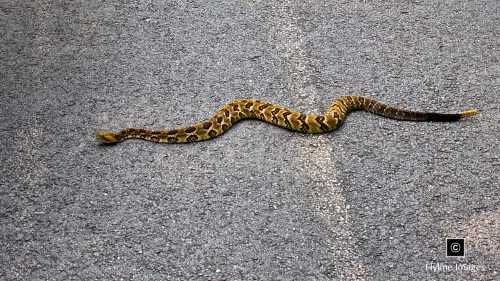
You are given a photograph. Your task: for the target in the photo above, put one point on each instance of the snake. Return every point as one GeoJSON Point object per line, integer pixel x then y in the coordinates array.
{"type": "Point", "coordinates": [282, 117]}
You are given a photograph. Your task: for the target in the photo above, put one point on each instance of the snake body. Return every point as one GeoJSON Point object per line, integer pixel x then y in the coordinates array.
{"type": "Point", "coordinates": [233, 112]}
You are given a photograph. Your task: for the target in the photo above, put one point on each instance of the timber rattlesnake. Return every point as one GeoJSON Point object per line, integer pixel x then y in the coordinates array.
{"type": "Point", "coordinates": [279, 116]}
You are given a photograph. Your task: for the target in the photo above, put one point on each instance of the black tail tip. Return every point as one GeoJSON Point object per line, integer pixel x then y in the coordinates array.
{"type": "Point", "coordinates": [443, 117]}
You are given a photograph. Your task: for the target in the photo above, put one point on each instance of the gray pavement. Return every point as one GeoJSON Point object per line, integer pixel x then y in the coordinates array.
{"type": "Point", "coordinates": [374, 200]}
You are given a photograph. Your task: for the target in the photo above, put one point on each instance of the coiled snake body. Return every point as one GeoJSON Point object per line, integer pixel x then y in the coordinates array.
{"type": "Point", "coordinates": [279, 116]}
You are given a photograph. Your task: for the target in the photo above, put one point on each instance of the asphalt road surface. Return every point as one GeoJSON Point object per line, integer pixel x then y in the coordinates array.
{"type": "Point", "coordinates": [373, 200]}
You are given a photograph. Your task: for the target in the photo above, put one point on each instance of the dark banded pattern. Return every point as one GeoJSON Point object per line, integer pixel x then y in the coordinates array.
{"type": "Point", "coordinates": [279, 116]}
{"type": "Point", "coordinates": [323, 126]}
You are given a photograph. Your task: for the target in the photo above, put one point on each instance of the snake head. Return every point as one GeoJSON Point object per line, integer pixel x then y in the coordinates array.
{"type": "Point", "coordinates": [106, 137]}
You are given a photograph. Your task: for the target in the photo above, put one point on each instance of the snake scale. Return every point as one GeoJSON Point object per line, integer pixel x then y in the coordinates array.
{"type": "Point", "coordinates": [233, 112]}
